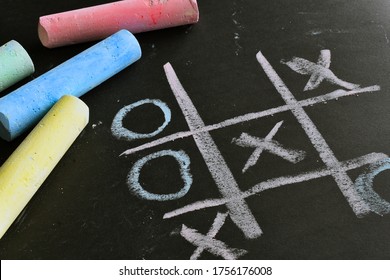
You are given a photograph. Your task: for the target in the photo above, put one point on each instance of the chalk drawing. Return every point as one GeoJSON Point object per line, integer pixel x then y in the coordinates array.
{"type": "Point", "coordinates": [223, 177]}
{"type": "Point", "coordinates": [217, 225]}
{"type": "Point", "coordinates": [318, 72]}
{"type": "Point", "coordinates": [316, 78]}
{"type": "Point", "coordinates": [216, 247]}
{"type": "Point", "coordinates": [334, 95]}
{"type": "Point", "coordinates": [360, 195]}
{"type": "Point", "coordinates": [260, 144]}
{"type": "Point", "coordinates": [364, 186]}
{"type": "Point", "coordinates": [184, 163]}
{"type": "Point", "coordinates": [279, 182]}
{"type": "Point", "coordinates": [121, 132]}
{"type": "Point", "coordinates": [342, 179]}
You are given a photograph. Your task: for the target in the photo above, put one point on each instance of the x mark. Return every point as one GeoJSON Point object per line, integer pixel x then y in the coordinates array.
{"type": "Point", "coordinates": [272, 146]}
{"type": "Point", "coordinates": [317, 71]}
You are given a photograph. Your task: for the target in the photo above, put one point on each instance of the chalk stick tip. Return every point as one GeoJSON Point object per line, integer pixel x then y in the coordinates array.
{"type": "Point", "coordinates": [16, 64]}
{"type": "Point", "coordinates": [43, 34]}
{"type": "Point", "coordinates": [4, 128]}
{"type": "Point", "coordinates": [78, 104]}
{"type": "Point", "coordinates": [167, 66]}
{"type": "Point", "coordinates": [28, 63]}
{"type": "Point", "coordinates": [133, 42]}
{"type": "Point", "coordinates": [194, 5]}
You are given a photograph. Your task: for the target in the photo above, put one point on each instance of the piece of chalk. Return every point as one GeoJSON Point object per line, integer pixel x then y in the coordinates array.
{"type": "Point", "coordinates": [25, 106]}
{"type": "Point", "coordinates": [100, 21]}
{"type": "Point", "coordinates": [15, 64]}
{"type": "Point", "coordinates": [31, 163]}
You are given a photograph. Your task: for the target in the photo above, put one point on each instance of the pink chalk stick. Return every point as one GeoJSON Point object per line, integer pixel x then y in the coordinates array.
{"type": "Point", "coordinates": [101, 21]}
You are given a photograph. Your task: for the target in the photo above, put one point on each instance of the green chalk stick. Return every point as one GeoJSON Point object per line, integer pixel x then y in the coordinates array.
{"type": "Point", "coordinates": [15, 64]}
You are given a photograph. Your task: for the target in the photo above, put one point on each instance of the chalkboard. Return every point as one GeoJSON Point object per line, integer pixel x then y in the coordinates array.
{"type": "Point", "coordinates": [261, 132]}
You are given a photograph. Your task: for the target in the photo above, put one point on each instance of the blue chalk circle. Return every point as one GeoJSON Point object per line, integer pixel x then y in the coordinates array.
{"type": "Point", "coordinates": [25, 106]}
{"type": "Point", "coordinates": [364, 186]}
{"type": "Point", "coordinates": [184, 164]}
{"type": "Point", "coordinates": [121, 132]}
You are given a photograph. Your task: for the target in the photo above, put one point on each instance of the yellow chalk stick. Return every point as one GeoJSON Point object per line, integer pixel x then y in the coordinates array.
{"type": "Point", "coordinates": [31, 163]}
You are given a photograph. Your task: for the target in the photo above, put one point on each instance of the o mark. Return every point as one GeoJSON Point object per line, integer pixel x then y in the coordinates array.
{"type": "Point", "coordinates": [120, 132]}
{"type": "Point", "coordinates": [364, 186]}
{"type": "Point", "coordinates": [184, 163]}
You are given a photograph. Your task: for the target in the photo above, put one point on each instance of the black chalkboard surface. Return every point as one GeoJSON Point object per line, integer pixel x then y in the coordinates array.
{"type": "Point", "coordinates": [276, 147]}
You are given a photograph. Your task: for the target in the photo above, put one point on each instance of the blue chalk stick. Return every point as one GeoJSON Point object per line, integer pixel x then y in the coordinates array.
{"type": "Point", "coordinates": [25, 106]}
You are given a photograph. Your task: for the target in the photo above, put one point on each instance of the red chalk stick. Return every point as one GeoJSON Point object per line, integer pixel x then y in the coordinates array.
{"type": "Point", "coordinates": [101, 21]}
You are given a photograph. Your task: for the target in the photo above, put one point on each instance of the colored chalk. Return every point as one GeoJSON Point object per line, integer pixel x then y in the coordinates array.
{"type": "Point", "coordinates": [15, 64]}
{"type": "Point", "coordinates": [100, 21]}
{"type": "Point", "coordinates": [25, 106]}
{"type": "Point", "coordinates": [31, 163]}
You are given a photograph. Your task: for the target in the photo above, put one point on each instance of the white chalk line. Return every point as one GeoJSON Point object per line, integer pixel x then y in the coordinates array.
{"type": "Point", "coordinates": [334, 95]}
{"type": "Point", "coordinates": [316, 78]}
{"type": "Point", "coordinates": [358, 205]}
{"type": "Point", "coordinates": [280, 182]}
{"type": "Point", "coordinates": [216, 247]}
{"type": "Point", "coordinates": [259, 150]}
{"type": "Point", "coordinates": [219, 221]}
{"type": "Point", "coordinates": [239, 211]}
{"type": "Point", "coordinates": [324, 58]}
